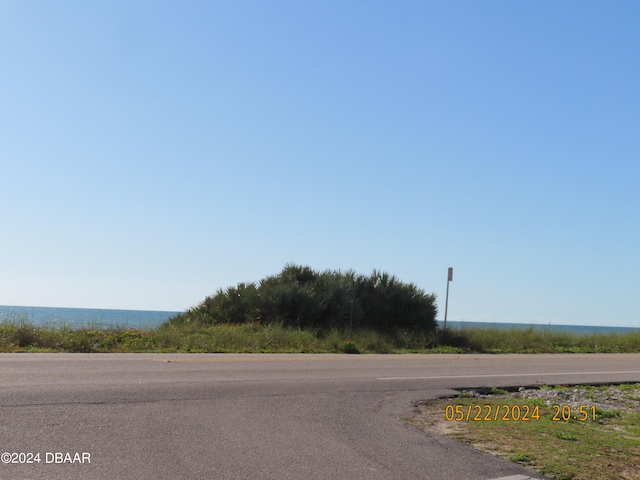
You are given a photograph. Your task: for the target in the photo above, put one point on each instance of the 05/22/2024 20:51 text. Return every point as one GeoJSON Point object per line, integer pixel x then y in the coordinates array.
{"type": "Point", "coordinates": [516, 413]}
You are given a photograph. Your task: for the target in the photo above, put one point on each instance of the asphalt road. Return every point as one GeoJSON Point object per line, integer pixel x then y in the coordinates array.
{"type": "Point", "coordinates": [297, 417]}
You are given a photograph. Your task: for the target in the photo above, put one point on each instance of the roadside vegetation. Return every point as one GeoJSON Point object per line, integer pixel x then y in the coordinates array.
{"type": "Point", "coordinates": [222, 338]}
{"type": "Point", "coordinates": [302, 310]}
{"type": "Point", "coordinates": [534, 340]}
{"type": "Point", "coordinates": [18, 335]}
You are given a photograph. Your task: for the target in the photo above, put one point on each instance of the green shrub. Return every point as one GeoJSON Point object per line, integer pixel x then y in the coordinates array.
{"type": "Point", "coordinates": [300, 297]}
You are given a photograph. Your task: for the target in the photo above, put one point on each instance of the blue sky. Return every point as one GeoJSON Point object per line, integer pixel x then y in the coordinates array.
{"type": "Point", "coordinates": [152, 152]}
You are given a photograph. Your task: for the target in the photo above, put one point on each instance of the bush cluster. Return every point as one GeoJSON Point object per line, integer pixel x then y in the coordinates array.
{"type": "Point", "coordinates": [303, 298]}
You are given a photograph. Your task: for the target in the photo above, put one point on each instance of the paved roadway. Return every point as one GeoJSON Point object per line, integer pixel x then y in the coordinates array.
{"type": "Point", "coordinates": [284, 417]}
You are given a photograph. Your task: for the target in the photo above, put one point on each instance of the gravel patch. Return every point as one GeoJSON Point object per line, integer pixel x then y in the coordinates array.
{"type": "Point", "coordinates": [604, 397]}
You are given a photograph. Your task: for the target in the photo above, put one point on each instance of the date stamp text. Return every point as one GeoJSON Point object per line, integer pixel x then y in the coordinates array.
{"type": "Point", "coordinates": [517, 413]}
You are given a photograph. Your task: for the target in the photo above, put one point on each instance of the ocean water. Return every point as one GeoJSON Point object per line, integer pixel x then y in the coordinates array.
{"type": "Point", "coordinates": [83, 317]}
{"type": "Point", "coordinates": [148, 319]}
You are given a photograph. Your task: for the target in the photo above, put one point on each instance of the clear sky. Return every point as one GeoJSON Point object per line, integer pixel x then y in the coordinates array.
{"type": "Point", "coordinates": [154, 151]}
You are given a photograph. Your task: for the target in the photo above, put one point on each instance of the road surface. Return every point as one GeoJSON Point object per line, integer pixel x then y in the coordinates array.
{"type": "Point", "coordinates": [284, 417]}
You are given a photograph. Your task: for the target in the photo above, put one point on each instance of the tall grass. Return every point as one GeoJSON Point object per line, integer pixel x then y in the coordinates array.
{"type": "Point", "coordinates": [21, 336]}
{"type": "Point", "coordinates": [244, 338]}
{"type": "Point", "coordinates": [531, 340]}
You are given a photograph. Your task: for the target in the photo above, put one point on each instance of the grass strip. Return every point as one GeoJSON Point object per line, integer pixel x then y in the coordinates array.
{"type": "Point", "coordinates": [19, 335]}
